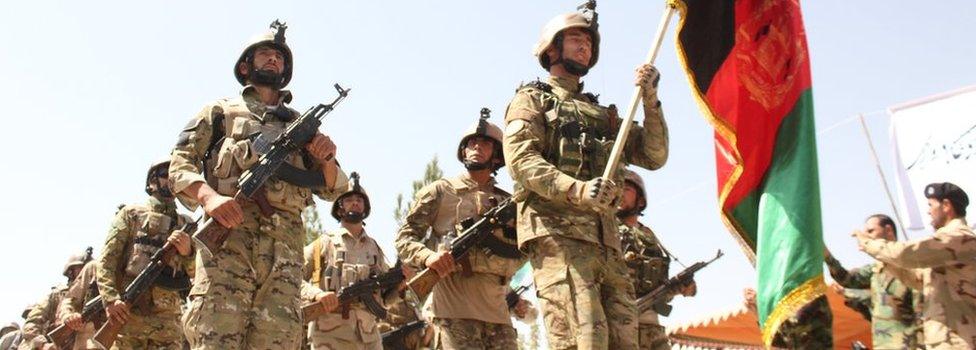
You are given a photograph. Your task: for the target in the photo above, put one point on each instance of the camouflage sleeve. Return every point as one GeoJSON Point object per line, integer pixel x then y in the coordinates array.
{"type": "Point", "coordinates": [941, 249]}
{"type": "Point", "coordinates": [39, 317]}
{"type": "Point", "coordinates": [859, 278]}
{"type": "Point", "coordinates": [647, 146]}
{"type": "Point", "coordinates": [341, 183]}
{"type": "Point", "coordinates": [409, 240]}
{"type": "Point", "coordinates": [186, 166]}
{"type": "Point", "coordinates": [112, 257]}
{"type": "Point", "coordinates": [859, 300]}
{"type": "Point", "coordinates": [309, 290]}
{"type": "Point", "coordinates": [910, 277]}
{"type": "Point", "coordinates": [523, 147]}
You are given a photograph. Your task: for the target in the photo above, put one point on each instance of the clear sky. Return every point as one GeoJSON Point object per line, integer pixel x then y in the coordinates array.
{"type": "Point", "coordinates": [95, 92]}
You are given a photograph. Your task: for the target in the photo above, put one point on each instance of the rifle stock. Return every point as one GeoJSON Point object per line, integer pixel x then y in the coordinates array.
{"type": "Point", "coordinates": [423, 283]}
{"type": "Point", "coordinates": [62, 336]}
{"type": "Point", "coordinates": [108, 333]}
{"type": "Point", "coordinates": [312, 311]}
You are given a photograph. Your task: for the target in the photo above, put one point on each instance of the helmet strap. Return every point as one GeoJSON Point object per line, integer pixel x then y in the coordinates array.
{"type": "Point", "coordinates": [572, 67]}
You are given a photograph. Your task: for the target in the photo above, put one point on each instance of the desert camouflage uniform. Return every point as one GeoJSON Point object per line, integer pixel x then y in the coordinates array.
{"type": "Point", "coordinates": [556, 136]}
{"type": "Point", "coordinates": [137, 232]}
{"type": "Point", "coordinates": [894, 322]}
{"type": "Point", "coordinates": [42, 318]}
{"type": "Point", "coordinates": [400, 313]}
{"type": "Point", "coordinates": [246, 295]}
{"type": "Point", "coordinates": [342, 260]}
{"type": "Point", "coordinates": [810, 328]}
{"type": "Point", "coordinates": [648, 264]}
{"type": "Point", "coordinates": [468, 307]}
{"type": "Point", "coordinates": [943, 268]}
{"type": "Point", "coordinates": [82, 290]}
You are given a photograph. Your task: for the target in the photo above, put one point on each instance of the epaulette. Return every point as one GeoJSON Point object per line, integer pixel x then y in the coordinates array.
{"type": "Point", "coordinates": [594, 99]}
{"type": "Point", "coordinates": [536, 84]}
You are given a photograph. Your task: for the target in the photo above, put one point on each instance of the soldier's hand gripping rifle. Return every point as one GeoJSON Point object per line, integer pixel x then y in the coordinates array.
{"type": "Point", "coordinates": [657, 298]}
{"type": "Point", "coordinates": [362, 291]}
{"type": "Point", "coordinates": [63, 336]}
{"type": "Point", "coordinates": [396, 339]}
{"type": "Point", "coordinates": [251, 183]}
{"type": "Point", "coordinates": [496, 217]}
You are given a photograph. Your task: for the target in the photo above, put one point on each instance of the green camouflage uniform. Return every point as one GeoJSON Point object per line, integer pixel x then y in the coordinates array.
{"type": "Point", "coordinates": [245, 295]}
{"type": "Point", "coordinates": [469, 306]}
{"type": "Point", "coordinates": [894, 323]}
{"type": "Point", "coordinates": [809, 329]}
{"type": "Point", "coordinates": [859, 300]}
{"type": "Point", "coordinates": [42, 318]}
{"type": "Point", "coordinates": [556, 136]}
{"type": "Point", "coordinates": [943, 267]}
{"type": "Point", "coordinates": [648, 264]}
{"type": "Point", "coordinates": [137, 232]}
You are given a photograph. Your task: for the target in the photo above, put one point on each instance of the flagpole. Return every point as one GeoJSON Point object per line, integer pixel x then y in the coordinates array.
{"type": "Point", "coordinates": [618, 146]}
{"type": "Point", "coordinates": [884, 181]}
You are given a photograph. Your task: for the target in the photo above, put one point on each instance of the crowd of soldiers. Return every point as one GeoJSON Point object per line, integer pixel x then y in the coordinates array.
{"type": "Point", "coordinates": [590, 256]}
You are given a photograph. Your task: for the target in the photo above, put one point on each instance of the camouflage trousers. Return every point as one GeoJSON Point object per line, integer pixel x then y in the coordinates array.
{"type": "Point", "coordinates": [652, 336]}
{"type": "Point", "coordinates": [246, 296]}
{"type": "Point", "coordinates": [811, 328]}
{"type": "Point", "coordinates": [585, 294]}
{"type": "Point", "coordinates": [321, 340]}
{"type": "Point", "coordinates": [463, 334]}
{"type": "Point", "coordinates": [156, 331]}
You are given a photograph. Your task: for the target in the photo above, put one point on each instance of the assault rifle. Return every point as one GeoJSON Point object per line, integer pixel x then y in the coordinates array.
{"type": "Point", "coordinates": [396, 339]}
{"type": "Point", "coordinates": [362, 291]}
{"type": "Point", "coordinates": [655, 299]}
{"type": "Point", "coordinates": [475, 233]}
{"type": "Point", "coordinates": [251, 187]}
{"type": "Point", "coordinates": [515, 295]}
{"type": "Point", "coordinates": [63, 336]}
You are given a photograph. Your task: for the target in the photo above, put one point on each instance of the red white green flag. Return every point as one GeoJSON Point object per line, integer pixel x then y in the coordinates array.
{"type": "Point", "coordinates": [748, 64]}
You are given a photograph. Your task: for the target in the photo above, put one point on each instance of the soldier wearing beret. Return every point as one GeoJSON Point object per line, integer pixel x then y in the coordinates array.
{"type": "Point", "coordinates": [942, 266]}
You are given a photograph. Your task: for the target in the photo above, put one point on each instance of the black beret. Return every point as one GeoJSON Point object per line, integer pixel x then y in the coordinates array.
{"type": "Point", "coordinates": [948, 190]}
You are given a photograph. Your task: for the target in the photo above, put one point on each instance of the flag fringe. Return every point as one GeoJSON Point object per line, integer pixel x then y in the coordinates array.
{"type": "Point", "coordinates": [790, 305]}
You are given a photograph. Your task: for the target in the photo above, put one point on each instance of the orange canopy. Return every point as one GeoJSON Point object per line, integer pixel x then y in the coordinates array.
{"type": "Point", "coordinates": [739, 328]}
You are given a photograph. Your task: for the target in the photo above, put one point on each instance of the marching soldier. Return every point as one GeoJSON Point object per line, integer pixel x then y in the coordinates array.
{"type": "Point", "coordinates": [894, 322]}
{"type": "Point", "coordinates": [43, 316]}
{"type": "Point", "coordinates": [557, 143]}
{"type": "Point", "coordinates": [469, 308]}
{"type": "Point", "coordinates": [646, 258]}
{"type": "Point", "coordinates": [83, 289]}
{"type": "Point", "coordinates": [137, 232]}
{"type": "Point", "coordinates": [942, 266]}
{"type": "Point", "coordinates": [246, 294]}
{"type": "Point", "coordinates": [338, 259]}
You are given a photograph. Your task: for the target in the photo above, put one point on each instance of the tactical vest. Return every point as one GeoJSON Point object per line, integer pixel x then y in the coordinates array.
{"type": "Point", "coordinates": [240, 138]}
{"type": "Point", "coordinates": [346, 267]}
{"type": "Point", "coordinates": [579, 133]}
{"type": "Point", "coordinates": [647, 261]}
{"type": "Point", "coordinates": [151, 233]}
{"type": "Point", "coordinates": [463, 202]}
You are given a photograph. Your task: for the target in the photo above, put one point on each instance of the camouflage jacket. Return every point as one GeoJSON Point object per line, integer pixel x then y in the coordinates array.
{"type": "Point", "coordinates": [531, 145]}
{"type": "Point", "coordinates": [136, 233]}
{"type": "Point", "coordinates": [439, 208]}
{"type": "Point", "coordinates": [42, 318]}
{"type": "Point", "coordinates": [82, 290]}
{"type": "Point", "coordinates": [647, 261]}
{"type": "Point", "coordinates": [943, 267]}
{"type": "Point", "coordinates": [809, 328]}
{"type": "Point", "coordinates": [893, 305]}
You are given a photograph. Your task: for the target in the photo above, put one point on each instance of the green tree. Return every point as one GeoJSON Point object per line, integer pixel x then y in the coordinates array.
{"type": "Point", "coordinates": [313, 223]}
{"type": "Point", "coordinates": [432, 172]}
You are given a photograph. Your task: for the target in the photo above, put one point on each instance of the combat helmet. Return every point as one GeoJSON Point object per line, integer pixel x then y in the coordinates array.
{"type": "Point", "coordinates": [274, 37]}
{"type": "Point", "coordinates": [353, 187]}
{"type": "Point", "coordinates": [157, 169]}
{"type": "Point", "coordinates": [486, 129]}
{"type": "Point", "coordinates": [79, 259]}
{"type": "Point", "coordinates": [585, 17]}
{"type": "Point", "coordinates": [634, 179]}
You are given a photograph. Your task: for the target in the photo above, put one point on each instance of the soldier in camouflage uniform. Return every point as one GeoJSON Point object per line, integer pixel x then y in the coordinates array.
{"type": "Point", "coordinates": [468, 307]}
{"type": "Point", "coordinates": [335, 260]}
{"type": "Point", "coordinates": [646, 258]}
{"type": "Point", "coordinates": [810, 328]}
{"type": "Point", "coordinates": [942, 266]}
{"type": "Point", "coordinates": [43, 316]}
{"type": "Point", "coordinates": [557, 142]}
{"type": "Point", "coordinates": [137, 232]}
{"type": "Point", "coordinates": [894, 323]}
{"type": "Point", "coordinates": [83, 289]}
{"type": "Point", "coordinates": [402, 311]}
{"type": "Point", "coordinates": [246, 294]}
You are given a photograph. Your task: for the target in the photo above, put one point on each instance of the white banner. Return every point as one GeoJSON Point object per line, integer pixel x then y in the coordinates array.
{"type": "Point", "coordinates": [934, 140]}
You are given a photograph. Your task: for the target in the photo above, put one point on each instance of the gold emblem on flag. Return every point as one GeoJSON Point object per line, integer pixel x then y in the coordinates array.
{"type": "Point", "coordinates": [770, 52]}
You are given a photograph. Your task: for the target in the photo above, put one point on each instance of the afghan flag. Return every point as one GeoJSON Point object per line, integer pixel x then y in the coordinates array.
{"type": "Point", "coordinates": [748, 64]}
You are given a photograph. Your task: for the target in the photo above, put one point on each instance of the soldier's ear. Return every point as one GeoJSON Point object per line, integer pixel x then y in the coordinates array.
{"type": "Point", "coordinates": [242, 68]}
